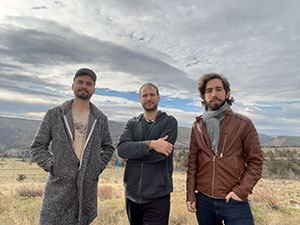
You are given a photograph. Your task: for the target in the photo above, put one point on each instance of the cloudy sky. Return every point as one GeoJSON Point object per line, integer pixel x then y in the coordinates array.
{"type": "Point", "coordinates": [254, 43]}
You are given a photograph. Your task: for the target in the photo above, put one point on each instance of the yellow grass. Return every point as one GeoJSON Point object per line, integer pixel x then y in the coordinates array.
{"type": "Point", "coordinates": [273, 201]}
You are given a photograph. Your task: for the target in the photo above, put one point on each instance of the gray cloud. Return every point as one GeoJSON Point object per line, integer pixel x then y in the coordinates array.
{"type": "Point", "coordinates": [43, 48]}
{"type": "Point", "coordinates": [256, 44]}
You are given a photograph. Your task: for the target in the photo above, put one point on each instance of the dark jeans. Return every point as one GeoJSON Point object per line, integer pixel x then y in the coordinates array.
{"type": "Point", "coordinates": [211, 211]}
{"type": "Point", "coordinates": [155, 212]}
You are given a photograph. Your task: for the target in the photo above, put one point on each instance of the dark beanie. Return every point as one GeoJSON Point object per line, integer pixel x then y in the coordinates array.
{"type": "Point", "coordinates": [87, 72]}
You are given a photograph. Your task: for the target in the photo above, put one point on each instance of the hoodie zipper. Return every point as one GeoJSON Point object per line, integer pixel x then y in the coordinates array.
{"type": "Point", "coordinates": [142, 164]}
{"type": "Point", "coordinates": [140, 183]}
{"type": "Point", "coordinates": [142, 168]}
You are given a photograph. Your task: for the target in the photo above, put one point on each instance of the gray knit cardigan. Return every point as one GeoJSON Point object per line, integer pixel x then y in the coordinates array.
{"type": "Point", "coordinates": [70, 195]}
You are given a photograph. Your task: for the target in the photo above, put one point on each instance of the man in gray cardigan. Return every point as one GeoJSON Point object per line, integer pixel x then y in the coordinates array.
{"type": "Point", "coordinates": [80, 149]}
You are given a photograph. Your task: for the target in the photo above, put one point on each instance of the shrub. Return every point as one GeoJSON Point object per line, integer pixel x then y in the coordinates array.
{"type": "Point", "coordinates": [107, 192]}
{"type": "Point", "coordinates": [268, 197]}
{"type": "Point", "coordinates": [21, 177]}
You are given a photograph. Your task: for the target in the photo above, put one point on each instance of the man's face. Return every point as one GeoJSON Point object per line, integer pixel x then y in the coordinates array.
{"type": "Point", "coordinates": [215, 94]}
{"type": "Point", "coordinates": [149, 98]}
{"type": "Point", "coordinates": [83, 87]}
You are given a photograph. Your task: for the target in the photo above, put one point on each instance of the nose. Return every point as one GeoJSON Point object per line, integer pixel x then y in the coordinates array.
{"type": "Point", "coordinates": [214, 92]}
{"type": "Point", "coordinates": [84, 85]}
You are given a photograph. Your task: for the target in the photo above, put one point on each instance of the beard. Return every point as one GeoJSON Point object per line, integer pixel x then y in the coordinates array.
{"type": "Point", "coordinates": [150, 109]}
{"type": "Point", "coordinates": [213, 106]}
{"type": "Point", "coordinates": [82, 94]}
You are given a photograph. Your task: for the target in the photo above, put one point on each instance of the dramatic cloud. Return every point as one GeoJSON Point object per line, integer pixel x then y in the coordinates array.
{"type": "Point", "coordinates": [256, 44]}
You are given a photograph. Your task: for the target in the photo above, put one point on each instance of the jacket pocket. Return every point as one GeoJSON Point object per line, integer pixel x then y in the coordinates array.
{"type": "Point", "coordinates": [204, 171]}
{"type": "Point", "coordinates": [238, 171]}
{"type": "Point", "coordinates": [227, 173]}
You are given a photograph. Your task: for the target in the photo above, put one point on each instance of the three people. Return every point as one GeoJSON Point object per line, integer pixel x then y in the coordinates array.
{"type": "Point", "coordinates": [74, 145]}
{"type": "Point", "coordinates": [225, 159]}
{"type": "Point", "coordinates": [147, 144]}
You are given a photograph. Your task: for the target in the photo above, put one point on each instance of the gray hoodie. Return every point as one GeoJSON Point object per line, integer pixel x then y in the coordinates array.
{"type": "Point", "coordinates": [148, 174]}
{"type": "Point", "coordinates": [70, 195]}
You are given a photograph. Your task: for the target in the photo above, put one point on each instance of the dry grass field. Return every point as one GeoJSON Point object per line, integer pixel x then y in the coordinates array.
{"type": "Point", "coordinates": [274, 202]}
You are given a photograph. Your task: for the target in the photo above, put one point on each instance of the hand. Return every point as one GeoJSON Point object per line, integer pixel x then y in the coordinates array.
{"type": "Point", "coordinates": [191, 206]}
{"type": "Point", "coordinates": [162, 146]}
{"type": "Point", "coordinates": [124, 160]}
{"type": "Point", "coordinates": [232, 195]}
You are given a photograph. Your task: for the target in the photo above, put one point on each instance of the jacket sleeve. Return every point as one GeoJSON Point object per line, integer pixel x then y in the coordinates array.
{"type": "Point", "coordinates": [39, 148]}
{"type": "Point", "coordinates": [171, 129]}
{"type": "Point", "coordinates": [139, 150]}
{"type": "Point", "coordinates": [254, 161]}
{"type": "Point", "coordinates": [128, 148]}
{"type": "Point", "coordinates": [107, 148]}
{"type": "Point", "coordinates": [192, 169]}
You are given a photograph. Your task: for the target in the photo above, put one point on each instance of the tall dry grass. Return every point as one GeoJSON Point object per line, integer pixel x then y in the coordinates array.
{"type": "Point", "coordinates": [276, 202]}
{"type": "Point", "coordinates": [273, 201]}
{"type": "Point", "coordinates": [30, 190]}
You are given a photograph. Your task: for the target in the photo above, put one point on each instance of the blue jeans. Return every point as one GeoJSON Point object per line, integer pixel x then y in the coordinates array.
{"type": "Point", "coordinates": [212, 211]}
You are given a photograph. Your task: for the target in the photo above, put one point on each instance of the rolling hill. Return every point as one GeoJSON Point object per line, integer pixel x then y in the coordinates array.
{"type": "Point", "coordinates": [17, 134]}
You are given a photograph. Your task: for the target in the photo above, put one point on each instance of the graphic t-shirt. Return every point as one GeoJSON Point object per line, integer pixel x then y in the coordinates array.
{"type": "Point", "coordinates": [80, 121]}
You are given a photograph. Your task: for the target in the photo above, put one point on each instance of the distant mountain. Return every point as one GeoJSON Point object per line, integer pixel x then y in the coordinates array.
{"type": "Point", "coordinates": [264, 139]}
{"type": "Point", "coordinates": [286, 141]}
{"type": "Point", "coordinates": [16, 136]}
{"type": "Point", "coordinates": [16, 133]}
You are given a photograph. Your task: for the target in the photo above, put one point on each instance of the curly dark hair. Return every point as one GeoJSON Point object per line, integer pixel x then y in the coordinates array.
{"type": "Point", "coordinates": [209, 76]}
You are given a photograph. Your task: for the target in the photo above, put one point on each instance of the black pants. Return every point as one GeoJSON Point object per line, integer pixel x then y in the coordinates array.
{"type": "Point", "coordinates": [155, 212]}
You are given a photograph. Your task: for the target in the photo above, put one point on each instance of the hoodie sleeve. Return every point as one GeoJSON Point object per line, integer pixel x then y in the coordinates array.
{"type": "Point", "coordinates": [139, 150]}
{"type": "Point", "coordinates": [128, 148]}
{"type": "Point", "coordinates": [170, 129]}
{"type": "Point", "coordinates": [39, 148]}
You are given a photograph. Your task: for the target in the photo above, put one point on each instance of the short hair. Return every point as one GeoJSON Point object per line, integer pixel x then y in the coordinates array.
{"type": "Point", "coordinates": [150, 84]}
{"type": "Point", "coordinates": [210, 76]}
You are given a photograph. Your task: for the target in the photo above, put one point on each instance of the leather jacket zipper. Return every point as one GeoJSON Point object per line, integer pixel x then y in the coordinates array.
{"type": "Point", "coordinates": [213, 177]}
{"type": "Point", "coordinates": [224, 143]}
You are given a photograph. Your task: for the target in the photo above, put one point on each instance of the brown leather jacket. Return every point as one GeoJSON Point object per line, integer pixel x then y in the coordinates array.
{"type": "Point", "coordinates": [238, 165]}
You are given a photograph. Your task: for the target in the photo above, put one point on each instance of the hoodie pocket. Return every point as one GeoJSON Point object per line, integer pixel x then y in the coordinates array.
{"type": "Point", "coordinates": [155, 181]}
{"type": "Point", "coordinates": [132, 177]}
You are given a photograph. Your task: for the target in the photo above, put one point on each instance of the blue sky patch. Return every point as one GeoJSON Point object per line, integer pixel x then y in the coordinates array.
{"type": "Point", "coordinates": [178, 103]}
